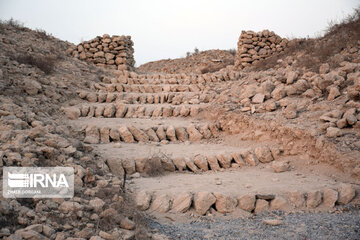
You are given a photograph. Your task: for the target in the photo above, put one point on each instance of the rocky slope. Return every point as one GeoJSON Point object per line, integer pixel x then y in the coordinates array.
{"type": "Point", "coordinates": [202, 62]}
{"type": "Point", "coordinates": [36, 80]}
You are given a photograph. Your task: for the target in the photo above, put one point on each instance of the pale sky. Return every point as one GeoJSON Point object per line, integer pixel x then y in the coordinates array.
{"type": "Point", "coordinates": [164, 29]}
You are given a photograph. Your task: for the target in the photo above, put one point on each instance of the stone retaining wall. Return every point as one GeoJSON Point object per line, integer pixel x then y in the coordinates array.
{"type": "Point", "coordinates": [114, 52]}
{"type": "Point", "coordinates": [253, 47]}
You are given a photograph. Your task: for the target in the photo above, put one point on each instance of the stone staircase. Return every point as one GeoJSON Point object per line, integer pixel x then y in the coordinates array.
{"type": "Point", "coordinates": [154, 130]}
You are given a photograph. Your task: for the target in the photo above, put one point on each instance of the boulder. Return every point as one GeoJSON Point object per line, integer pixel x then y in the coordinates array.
{"type": "Point", "coordinates": [105, 135]}
{"type": "Point", "coordinates": [258, 98]}
{"type": "Point", "coordinates": [296, 199]}
{"type": "Point", "coordinates": [121, 110]}
{"type": "Point", "coordinates": [213, 163]}
{"type": "Point", "coordinates": [129, 166]}
{"type": "Point", "coordinates": [203, 201]}
{"type": "Point", "coordinates": [109, 110]}
{"type": "Point", "coordinates": [152, 135]}
{"type": "Point", "coordinates": [72, 113]}
{"type": "Point", "coordinates": [279, 203]}
{"type": "Point", "coordinates": [263, 153]}
{"type": "Point", "coordinates": [126, 135]}
{"type": "Point", "coordinates": [142, 200]}
{"type": "Point", "coordinates": [247, 202]}
{"type": "Point", "coordinates": [290, 111]}
{"type": "Point", "coordinates": [140, 164]}
{"type": "Point", "coordinates": [238, 159]}
{"type": "Point", "coordinates": [333, 93]}
{"type": "Point", "coordinates": [160, 132]}
{"type": "Point", "coordinates": [201, 162]}
{"type": "Point", "coordinates": [170, 133]}
{"type": "Point", "coordinates": [346, 194]}
{"type": "Point", "coordinates": [181, 134]}
{"type": "Point", "coordinates": [313, 199]}
{"type": "Point", "coordinates": [161, 203]}
{"type": "Point", "coordinates": [194, 134]}
{"type": "Point", "coordinates": [179, 163]}
{"type": "Point", "coordinates": [181, 202]}
{"type": "Point", "coordinates": [138, 134]}
{"type": "Point", "coordinates": [280, 166]}
{"type": "Point", "coordinates": [114, 135]}
{"type": "Point", "coordinates": [278, 93]}
{"type": "Point", "coordinates": [250, 158]}
{"type": "Point", "coordinates": [191, 165]}
{"type": "Point", "coordinates": [330, 197]}
{"type": "Point", "coordinates": [224, 204]}
{"type": "Point", "coordinates": [224, 160]}
{"type": "Point", "coordinates": [32, 87]}
{"type": "Point", "coordinates": [92, 134]}
{"type": "Point", "coordinates": [261, 205]}
{"type": "Point", "coordinates": [333, 132]}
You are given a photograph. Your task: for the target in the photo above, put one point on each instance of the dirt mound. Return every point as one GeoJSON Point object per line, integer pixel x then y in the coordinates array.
{"type": "Point", "coordinates": [198, 62]}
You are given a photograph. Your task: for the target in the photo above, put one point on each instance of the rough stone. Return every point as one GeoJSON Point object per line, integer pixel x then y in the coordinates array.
{"type": "Point", "coordinates": [333, 132]}
{"type": "Point", "coordinates": [279, 203]}
{"type": "Point", "coordinates": [126, 135]}
{"type": "Point", "coordinates": [201, 162]}
{"type": "Point", "coordinates": [224, 204]}
{"type": "Point", "coordinates": [346, 194]}
{"type": "Point", "coordinates": [109, 110]}
{"type": "Point", "coordinates": [72, 113]}
{"type": "Point", "coordinates": [261, 205]}
{"type": "Point", "coordinates": [330, 197]}
{"type": "Point", "coordinates": [138, 134]}
{"type": "Point", "coordinates": [170, 133]}
{"type": "Point", "coordinates": [263, 153]}
{"type": "Point", "coordinates": [182, 202]}
{"type": "Point", "coordinates": [179, 163]}
{"type": "Point", "coordinates": [290, 111]}
{"type": "Point", "coordinates": [296, 199]}
{"type": "Point", "coordinates": [280, 166]}
{"type": "Point", "coordinates": [129, 166]}
{"type": "Point", "coordinates": [92, 135]}
{"type": "Point", "coordinates": [143, 199]}
{"type": "Point", "coordinates": [161, 203]}
{"type": "Point", "coordinates": [191, 165]}
{"type": "Point", "coordinates": [181, 134]}
{"type": "Point", "coordinates": [314, 199]}
{"type": "Point", "coordinates": [194, 134]}
{"type": "Point", "coordinates": [224, 160]}
{"type": "Point", "coordinates": [247, 202]}
{"type": "Point", "coordinates": [213, 163]}
{"type": "Point", "coordinates": [203, 201]}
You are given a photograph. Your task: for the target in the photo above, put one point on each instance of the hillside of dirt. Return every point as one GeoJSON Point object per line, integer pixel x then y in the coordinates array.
{"type": "Point", "coordinates": [268, 150]}
{"type": "Point", "coordinates": [197, 62]}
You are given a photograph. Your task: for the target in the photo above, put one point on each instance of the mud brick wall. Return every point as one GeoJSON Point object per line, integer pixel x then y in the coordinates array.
{"type": "Point", "coordinates": [114, 52]}
{"type": "Point", "coordinates": [253, 47]}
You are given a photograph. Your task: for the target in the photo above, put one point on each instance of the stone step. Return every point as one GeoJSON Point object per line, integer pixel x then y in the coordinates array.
{"type": "Point", "coordinates": [147, 88]}
{"type": "Point", "coordinates": [133, 78]}
{"type": "Point", "coordinates": [131, 133]}
{"type": "Point", "coordinates": [246, 189]}
{"type": "Point", "coordinates": [193, 157]}
{"type": "Point", "coordinates": [147, 98]}
{"type": "Point", "coordinates": [121, 110]}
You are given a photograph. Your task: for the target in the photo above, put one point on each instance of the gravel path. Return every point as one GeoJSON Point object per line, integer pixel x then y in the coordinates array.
{"type": "Point", "coordinates": [294, 226]}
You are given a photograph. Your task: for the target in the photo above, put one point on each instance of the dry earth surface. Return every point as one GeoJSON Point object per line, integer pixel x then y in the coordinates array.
{"type": "Point", "coordinates": [182, 153]}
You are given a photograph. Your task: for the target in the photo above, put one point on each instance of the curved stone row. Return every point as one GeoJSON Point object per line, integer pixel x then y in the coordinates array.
{"type": "Point", "coordinates": [197, 163]}
{"type": "Point", "coordinates": [202, 202]}
{"type": "Point", "coordinates": [148, 88]}
{"type": "Point", "coordinates": [121, 110]}
{"type": "Point", "coordinates": [147, 98]}
{"type": "Point", "coordinates": [132, 134]}
{"type": "Point", "coordinates": [126, 77]}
